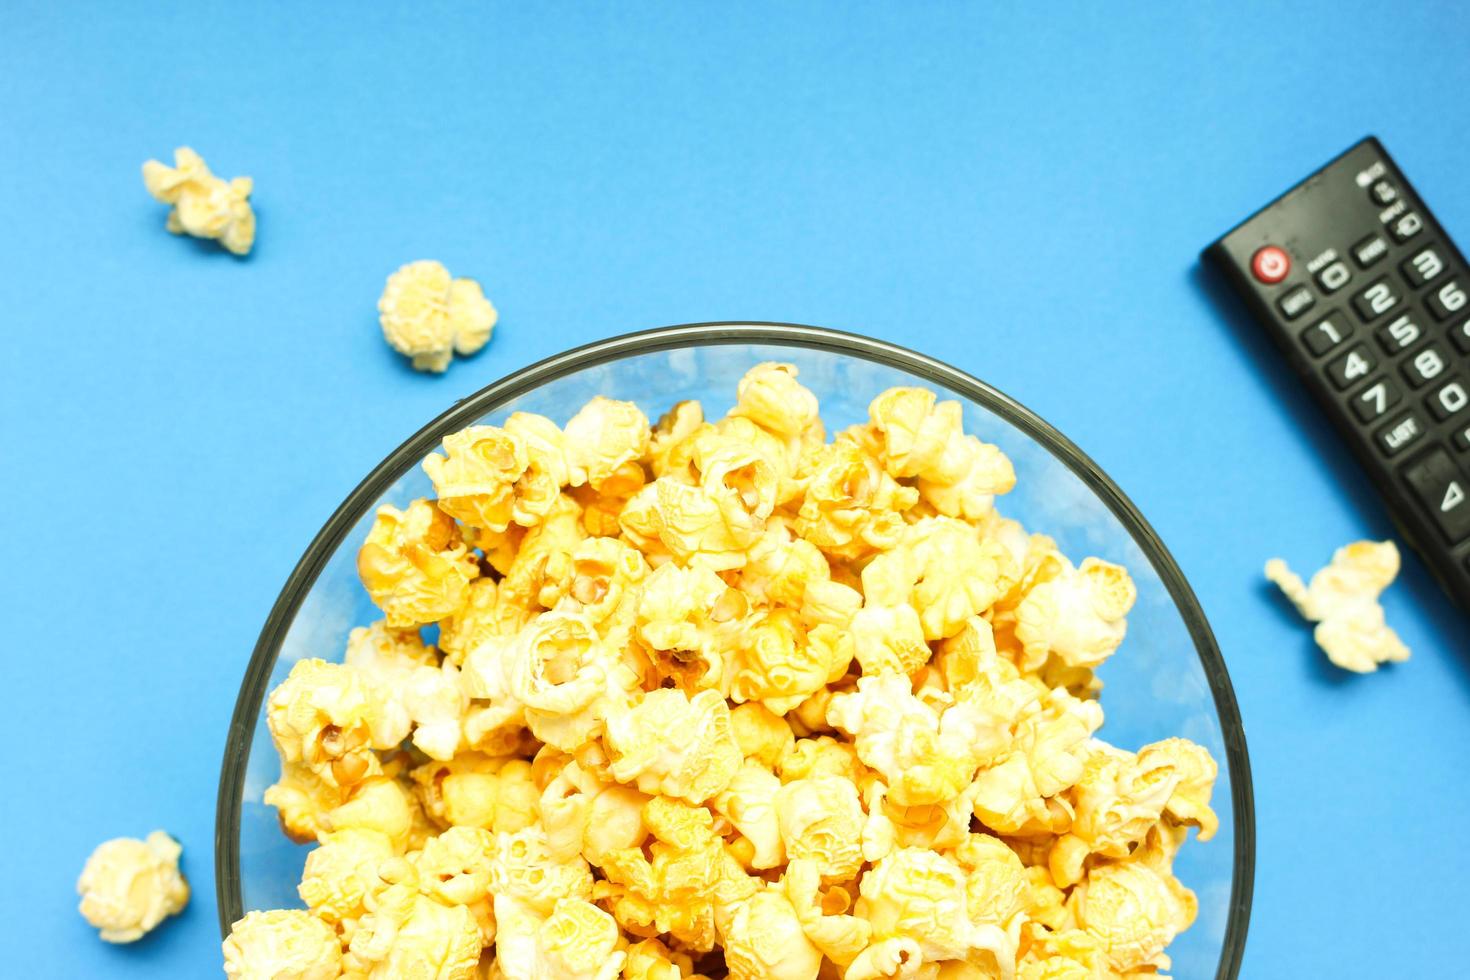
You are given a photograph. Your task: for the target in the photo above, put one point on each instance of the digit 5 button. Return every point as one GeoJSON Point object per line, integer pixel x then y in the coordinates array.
{"type": "Point", "coordinates": [1270, 265]}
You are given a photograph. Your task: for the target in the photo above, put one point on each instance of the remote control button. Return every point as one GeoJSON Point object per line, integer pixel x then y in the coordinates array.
{"type": "Point", "coordinates": [1406, 226]}
{"type": "Point", "coordinates": [1447, 300]}
{"type": "Point", "coordinates": [1449, 400]}
{"type": "Point", "coordinates": [1375, 300]}
{"type": "Point", "coordinates": [1423, 266]}
{"type": "Point", "coordinates": [1356, 363]}
{"type": "Point", "coordinates": [1384, 193]}
{"type": "Point", "coordinates": [1462, 438]}
{"type": "Point", "coordinates": [1270, 265]}
{"type": "Point", "coordinates": [1425, 366]}
{"type": "Point", "coordinates": [1460, 334]}
{"type": "Point", "coordinates": [1369, 251]}
{"type": "Point", "coordinates": [1334, 277]}
{"type": "Point", "coordinates": [1399, 334]}
{"type": "Point", "coordinates": [1440, 487]}
{"type": "Point", "coordinates": [1402, 432]}
{"type": "Point", "coordinates": [1376, 399]}
{"type": "Point", "coordinates": [1327, 333]}
{"type": "Point", "coordinates": [1296, 302]}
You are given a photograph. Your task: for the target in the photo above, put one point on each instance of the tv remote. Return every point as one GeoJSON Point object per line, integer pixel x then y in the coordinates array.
{"type": "Point", "coordinates": [1369, 300]}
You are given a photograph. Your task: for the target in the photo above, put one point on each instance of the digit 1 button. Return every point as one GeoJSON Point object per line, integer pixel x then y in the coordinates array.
{"type": "Point", "coordinates": [1424, 366]}
{"type": "Point", "coordinates": [1401, 432]}
{"type": "Point", "coordinates": [1369, 251]}
{"type": "Point", "coordinates": [1447, 300]}
{"type": "Point", "coordinates": [1270, 265]}
{"type": "Point", "coordinates": [1406, 226]}
{"type": "Point", "coordinates": [1334, 277]}
{"type": "Point", "coordinates": [1423, 266]}
{"type": "Point", "coordinates": [1376, 399]}
{"type": "Point", "coordinates": [1375, 300]}
{"type": "Point", "coordinates": [1450, 399]}
{"type": "Point", "coordinates": [1355, 364]}
{"type": "Point", "coordinates": [1296, 302]}
{"type": "Point", "coordinates": [1440, 487]}
{"type": "Point", "coordinates": [1327, 333]}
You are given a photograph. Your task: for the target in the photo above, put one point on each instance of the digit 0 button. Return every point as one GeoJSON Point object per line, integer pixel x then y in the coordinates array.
{"type": "Point", "coordinates": [1270, 265]}
{"type": "Point", "coordinates": [1441, 489]}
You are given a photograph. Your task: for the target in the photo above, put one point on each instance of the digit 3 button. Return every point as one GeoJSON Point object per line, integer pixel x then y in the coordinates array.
{"type": "Point", "coordinates": [1441, 489]}
{"type": "Point", "coordinates": [1270, 265]}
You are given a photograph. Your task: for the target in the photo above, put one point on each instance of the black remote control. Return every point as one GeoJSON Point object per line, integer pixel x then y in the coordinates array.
{"type": "Point", "coordinates": [1370, 301]}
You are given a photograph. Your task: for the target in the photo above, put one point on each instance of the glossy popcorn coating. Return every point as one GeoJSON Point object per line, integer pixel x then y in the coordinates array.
{"type": "Point", "coordinates": [720, 697]}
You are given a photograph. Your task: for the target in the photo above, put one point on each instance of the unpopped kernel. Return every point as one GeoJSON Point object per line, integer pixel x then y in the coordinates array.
{"type": "Point", "coordinates": [718, 697]}
{"type": "Point", "coordinates": [1342, 599]}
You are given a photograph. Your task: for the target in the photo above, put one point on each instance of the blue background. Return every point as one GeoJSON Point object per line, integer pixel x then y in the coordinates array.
{"type": "Point", "coordinates": [1018, 189]}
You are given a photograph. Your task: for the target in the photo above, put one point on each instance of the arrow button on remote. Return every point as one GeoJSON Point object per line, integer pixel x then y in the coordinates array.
{"type": "Point", "coordinates": [1443, 491]}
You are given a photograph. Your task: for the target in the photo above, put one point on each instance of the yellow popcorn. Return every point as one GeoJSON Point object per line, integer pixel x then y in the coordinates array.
{"type": "Point", "coordinates": [790, 710]}
{"type": "Point", "coordinates": [429, 317]}
{"type": "Point", "coordinates": [415, 565]}
{"type": "Point", "coordinates": [1077, 614]}
{"type": "Point", "coordinates": [674, 745]}
{"type": "Point", "coordinates": [204, 205]}
{"type": "Point", "coordinates": [1342, 600]}
{"type": "Point", "coordinates": [286, 944]}
{"type": "Point", "coordinates": [602, 439]}
{"type": "Point", "coordinates": [128, 886]}
{"type": "Point", "coordinates": [821, 821]}
{"type": "Point", "coordinates": [490, 477]}
{"type": "Point", "coordinates": [576, 941]}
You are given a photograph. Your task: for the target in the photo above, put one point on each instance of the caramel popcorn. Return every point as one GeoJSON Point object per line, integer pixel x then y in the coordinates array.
{"type": "Point", "coordinates": [128, 886]}
{"type": "Point", "coordinates": [204, 205]}
{"type": "Point", "coordinates": [429, 317]}
{"type": "Point", "coordinates": [1342, 600]}
{"type": "Point", "coordinates": [720, 698]}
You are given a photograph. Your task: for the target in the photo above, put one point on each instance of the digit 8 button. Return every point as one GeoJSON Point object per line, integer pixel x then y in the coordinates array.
{"type": "Point", "coordinates": [1270, 265]}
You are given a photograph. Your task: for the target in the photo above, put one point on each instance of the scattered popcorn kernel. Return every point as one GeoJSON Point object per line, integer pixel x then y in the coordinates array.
{"type": "Point", "coordinates": [720, 698]}
{"type": "Point", "coordinates": [286, 944]}
{"type": "Point", "coordinates": [429, 317]}
{"type": "Point", "coordinates": [1342, 600]}
{"type": "Point", "coordinates": [129, 886]}
{"type": "Point", "coordinates": [204, 205]}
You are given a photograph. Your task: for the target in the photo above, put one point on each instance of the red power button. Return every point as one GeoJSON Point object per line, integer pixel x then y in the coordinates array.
{"type": "Point", "coordinates": [1270, 265]}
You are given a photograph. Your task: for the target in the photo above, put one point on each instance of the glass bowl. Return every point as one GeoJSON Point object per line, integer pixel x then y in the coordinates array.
{"type": "Point", "coordinates": [1167, 679]}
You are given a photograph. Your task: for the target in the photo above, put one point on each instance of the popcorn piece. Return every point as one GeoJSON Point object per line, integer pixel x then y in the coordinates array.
{"type": "Point", "coordinates": [411, 935]}
{"type": "Point", "coordinates": [778, 667]}
{"type": "Point", "coordinates": [1014, 795]}
{"type": "Point", "coordinates": [697, 525]}
{"type": "Point", "coordinates": [763, 938]}
{"type": "Point", "coordinates": [762, 735]}
{"type": "Point", "coordinates": [1342, 600]}
{"type": "Point", "coordinates": [587, 816]}
{"type": "Point", "coordinates": [604, 439]}
{"type": "Point", "coordinates": [577, 941]}
{"type": "Point", "coordinates": [821, 821]}
{"type": "Point", "coordinates": [822, 913]}
{"type": "Point", "coordinates": [771, 397]}
{"type": "Point", "coordinates": [750, 803]}
{"type": "Point", "coordinates": [344, 872]}
{"type": "Point", "coordinates": [523, 868]}
{"type": "Point", "coordinates": [128, 886]}
{"type": "Point", "coordinates": [943, 569]}
{"type": "Point", "coordinates": [1134, 909]}
{"type": "Point", "coordinates": [303, 801]}
{"type": "Point", "coordinates": [429, 317]}
{"type": "Point", "coordinates": [569, 682]}
{"type": "Point", "coordinates": [415, 564]}
{"type": "Point", "coordinates": [326, 717]}
{"type": "Point", "coordinates": [1076, 614]}
{"type": "Point", "coordinates": [852, 506]}
{"type": "Point", "coordinates": [490, 477]}
{"type": "Point", "coordinates": [475, 790]}
{"type": "Point", "coordinates": [415, 691]}
{"type": "Point", "coordinates": [919, 896]}
{"type": "Point", "coordinates": [692, 621]}
{"type": "Point", "coordinates": [384, 805]}
{"type": "Point", "coordinates": [286, 944]}
{"type": "Point", "coordinates": [675, 745]}
{"type": "Point", "coordinates": [204, 205]}
{"type": "Point", "coordinates": [487, 613]}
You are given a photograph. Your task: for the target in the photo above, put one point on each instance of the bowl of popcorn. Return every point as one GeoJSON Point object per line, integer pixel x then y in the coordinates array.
{"type": "Point", "coordinates": [735, 650]}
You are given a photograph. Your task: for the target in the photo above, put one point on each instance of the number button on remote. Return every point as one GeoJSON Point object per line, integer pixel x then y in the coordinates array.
{"type": "Point", "coordinates": [1355, 364]}
{"type": "Point", "coordinates": [1296, 302]}
{"type": "Point", "coordinates": [1327, 333]}
{"type": "Point", "coordinates": [1447, 300]}
{"type": "Point", "coordinates": [1334, 277]}
{"type": "Point", "coordinates": [1462, 438]}
{"type": "Point", "coordinates": [1399, 334]}
{"type": "Point", "coordinates": [1449, 400]}
{"type": "Point", "coordinates": [1375, 300]}
{"type": "Point", "coordinates": [1369, 251]}
{"type": "Point", "coordinates": [1460, 334]}
{"type": "Point", "coordinates": [1424, 366]}
{"type": "Point", "coordinates": [1402, 432]}
{"type": "Point", "coordinates": [1440, 487]}
{"type": "Point", "coordinates": [1423, 266]}
{"type": "Point", "coordinates": [1376, 399]}
{"type": "Point", "coordinates": [1405, 226]}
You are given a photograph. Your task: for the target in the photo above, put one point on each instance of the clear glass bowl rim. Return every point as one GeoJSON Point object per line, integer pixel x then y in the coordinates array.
{"type": "Point", "coordinates": [487, 399]}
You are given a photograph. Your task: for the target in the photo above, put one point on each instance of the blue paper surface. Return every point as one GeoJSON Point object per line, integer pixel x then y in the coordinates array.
{"type": "Point", "coordinates": [1020, 190]}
